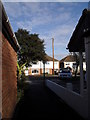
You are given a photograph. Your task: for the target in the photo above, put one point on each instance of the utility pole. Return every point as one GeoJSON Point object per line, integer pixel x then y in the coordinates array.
{"type": "Point", "coordinates": [53, 54]}
{"type": "Point", "coordinates": [44, 70]}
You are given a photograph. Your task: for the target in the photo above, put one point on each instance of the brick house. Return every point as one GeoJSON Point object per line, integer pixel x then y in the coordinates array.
{"type": "Point", "coordinates": [8, 66]}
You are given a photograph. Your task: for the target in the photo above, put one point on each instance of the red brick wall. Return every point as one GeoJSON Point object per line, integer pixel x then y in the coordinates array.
{"type": "Point", "coordinates": [9, 80]}
{"type": "Point", "coordinates": [41, 71]}
{"type": "Point", "coordinates": [51, 71]}
{"type": "Point", "coordinates": [29, 71]}
{"type": "Point", "coordinates": [0, 73]}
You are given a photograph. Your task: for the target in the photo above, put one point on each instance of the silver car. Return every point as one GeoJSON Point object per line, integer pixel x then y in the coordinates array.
{"type": "Point", "coordinates": [64, 73]}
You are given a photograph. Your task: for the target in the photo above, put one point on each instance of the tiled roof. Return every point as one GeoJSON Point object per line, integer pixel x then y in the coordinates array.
{"type": "Point", "coordinates": [49, 58]}
{"type": "Point", "coordinates": [69, 58]}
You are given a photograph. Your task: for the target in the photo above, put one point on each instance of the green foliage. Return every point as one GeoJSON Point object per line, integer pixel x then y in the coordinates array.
{"type": "Point", "coordinates": [32, 50]}
{"type": "Point", "coordinates": [20, 86]}
{"type": "Point", "coordinates": [76, 55]}
{"type": "Point", "coordinates": [32, 47]}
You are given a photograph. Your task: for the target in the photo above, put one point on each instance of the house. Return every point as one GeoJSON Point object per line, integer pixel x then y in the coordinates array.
{"type": "Point", "coordinates": [8, 66]}
{"type": "Point", "coordinates": [37, 68]}
{"type": "Point", "coordinates": [70, 61]}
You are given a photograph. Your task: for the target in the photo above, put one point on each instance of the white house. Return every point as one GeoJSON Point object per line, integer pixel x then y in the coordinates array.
{"type": "Point", "coordinates": [70, 61]}
{"type": "Point", "coordinates": [37, 68]}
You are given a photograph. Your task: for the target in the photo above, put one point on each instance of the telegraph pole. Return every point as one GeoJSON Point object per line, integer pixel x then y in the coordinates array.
{"type": "Point", "coordinates": [53, 54]}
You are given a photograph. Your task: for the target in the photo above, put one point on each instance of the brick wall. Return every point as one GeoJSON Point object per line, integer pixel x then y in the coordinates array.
{"type": "Point", "coordinates": [0, 74]}
{"type": "Point", "coordinates": [51, 71]}
{"type": "Point", "coordinates": [29, 71]}
{"type": "Point", "coordinates": [9, 80]}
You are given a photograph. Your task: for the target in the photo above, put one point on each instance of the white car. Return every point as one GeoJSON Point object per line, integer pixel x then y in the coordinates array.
{"type": "Point", "coordinates": [64, 73]}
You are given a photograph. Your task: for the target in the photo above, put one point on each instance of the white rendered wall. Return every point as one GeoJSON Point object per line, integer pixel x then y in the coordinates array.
{"type": "Point", "coordinates": [76, 101]}
{"type": "Point", "coordinates": [70, 64]}
{"type": "Point", "coordinates": [49, 64]}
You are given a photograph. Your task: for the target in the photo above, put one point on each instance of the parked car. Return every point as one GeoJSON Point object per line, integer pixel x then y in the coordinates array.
{"type": "Point", "coordinates": [56, 72]}
{"type": "Point", "coordinates": [64, 73]}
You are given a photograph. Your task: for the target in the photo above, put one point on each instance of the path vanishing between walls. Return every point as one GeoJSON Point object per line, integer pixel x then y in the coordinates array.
{"type": "Point", "coordinates": [40, 102]}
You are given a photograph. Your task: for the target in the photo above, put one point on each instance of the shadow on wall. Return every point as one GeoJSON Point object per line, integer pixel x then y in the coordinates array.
{"type": "Point", "coordinates": [0, 116]}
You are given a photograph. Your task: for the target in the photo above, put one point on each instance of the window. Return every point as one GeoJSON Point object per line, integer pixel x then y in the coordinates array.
{"type": "Point", "coordinates": [74, 64]}
{"type": "Point", "coordinates": [35, 62]}
{"type": "Point", "coordinates": [67, 63]}
{"type": "Point", "coordinates": [47, 63]}
{"type": "Point", "coordinates": [35, 71]}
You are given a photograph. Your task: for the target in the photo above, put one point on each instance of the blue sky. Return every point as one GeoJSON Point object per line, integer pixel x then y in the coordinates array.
{"type": "Point", "coordinates": [48, 19]}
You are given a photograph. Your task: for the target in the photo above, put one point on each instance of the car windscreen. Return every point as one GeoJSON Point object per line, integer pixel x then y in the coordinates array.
{"type": "Point", "coordinates": [65, 71]}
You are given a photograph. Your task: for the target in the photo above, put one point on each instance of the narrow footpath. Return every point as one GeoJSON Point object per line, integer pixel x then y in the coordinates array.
{"type": "Point", "coordinates": [41, 103]}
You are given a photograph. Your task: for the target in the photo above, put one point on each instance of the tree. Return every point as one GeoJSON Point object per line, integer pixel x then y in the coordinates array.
{"type": "Point", "coordinates": [76, 55]}
{"type": "Point", "coordinates": [77, 59]}
{"type": "Point", "coordinates": [32, 48]}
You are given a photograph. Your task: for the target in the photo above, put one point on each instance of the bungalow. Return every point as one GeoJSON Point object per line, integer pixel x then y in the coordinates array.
{"type": "Point", "coordinates": [8, 66]}
{"type": "Point", "coordinates": [37, 67]}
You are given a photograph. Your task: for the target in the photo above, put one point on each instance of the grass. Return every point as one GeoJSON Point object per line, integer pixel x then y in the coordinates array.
{"type": "Point", "coordinates": [22, 86]}
{"type": "Point", "coordinates": [19, 95]}
{"type": "Point", "coordinates": [20, 89]}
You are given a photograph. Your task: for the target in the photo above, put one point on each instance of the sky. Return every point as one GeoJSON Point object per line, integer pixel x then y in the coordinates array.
{"type": "Point", "coordinates": [48, 19]}
{"type": "Point", "coordinates": [45, 0]}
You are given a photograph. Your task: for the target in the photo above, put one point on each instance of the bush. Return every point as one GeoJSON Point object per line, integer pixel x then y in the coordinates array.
{"type": "Point", "coordinates": [20, 86]}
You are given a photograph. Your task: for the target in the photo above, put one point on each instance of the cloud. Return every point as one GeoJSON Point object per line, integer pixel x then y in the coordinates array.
{"type": "Point", "coordinates": [13, 10]}
{"type": "Point", "coordinates": [33, 14]}
{"type": "Point", "coordinates": [60, 34]}
{"type": "Point", "coordinates": [33, 11]}
{"type": "Point", "coordinates": [56, 20]}
{"type": "Point", "coordinates": [24, 25]}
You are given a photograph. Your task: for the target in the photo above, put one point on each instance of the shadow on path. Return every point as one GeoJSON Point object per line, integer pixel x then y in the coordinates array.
{"type": "Point", "coordinates": [40, 102]}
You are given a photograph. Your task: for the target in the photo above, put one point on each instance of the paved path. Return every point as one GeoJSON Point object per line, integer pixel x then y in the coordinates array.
{"type": "Point", "coordinates": [41, 103]}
